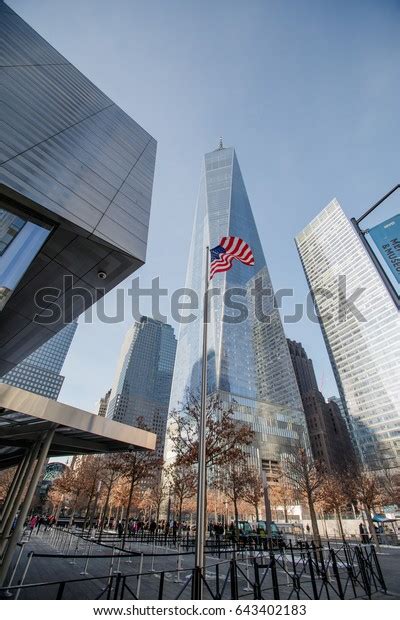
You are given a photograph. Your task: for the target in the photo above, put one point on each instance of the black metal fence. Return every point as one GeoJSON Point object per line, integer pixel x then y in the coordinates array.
{"type": "Point", "coordinates": [234, 571]}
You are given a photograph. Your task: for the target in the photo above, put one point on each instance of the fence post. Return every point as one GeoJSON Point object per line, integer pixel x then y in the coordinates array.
{"type": "Point", "coordinates": [117, 585]}
{"type": "Point", "coordinates": [315, 558]}
{"type": "Point", "coordinates": [60, 591]}
{"type": "Point", "coordinates": [275, 583]}
{"type": "Point", "coordinates": [247, 587]}
{"type": "Point", "coordinates": [217, 592]}
{"type": "Point", "coordinates": [336, 573]}
{"type": "Point", "coordinates": [233, 579]}
{"type": "Point", "coordinates": [161, 587]}
{"type": "Point", "coordinates": [109, 587]}
{"type": "Point", "coordinates": [257, 584]}
{"type": "Point", "coordinates": [69, 543]}
{"type": "Point", "coordinates": [311, 570]}
{"type": "Point", "coordinates": [123, 588]}
{"type": "Point", "coordinates": [27, 565]}
{"type": "Point", "coordinates": [139, 576]}
{"type": "Point", "coordinates": [361, 563]}
{"type": "Point", "coordinates": [85, 571]}
{"type": "Point", "coordinates": [285, 568]}
{"type": "Point", "coordinates": [8, 593]}
{"type": "Point", "coordinates": [378, 568]}
{"type": "Point", "coordinates": [179, 565]}
{"type": "Point", "coordinates": [111, 563]}
{"type": "Point", "coordinates": [129, 560]}
{"type": "Point", "coordinates": [152, 558]}
{"type": "Point", "coordinates": [76, 550]}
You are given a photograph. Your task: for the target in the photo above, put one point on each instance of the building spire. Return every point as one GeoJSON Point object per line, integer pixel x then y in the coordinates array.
{"type": "Point", "coordinates": [221, 144]}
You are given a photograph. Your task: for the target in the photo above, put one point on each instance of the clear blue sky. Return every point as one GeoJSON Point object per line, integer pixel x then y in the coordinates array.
{"type": "Point", "coordinates": [308, 92]}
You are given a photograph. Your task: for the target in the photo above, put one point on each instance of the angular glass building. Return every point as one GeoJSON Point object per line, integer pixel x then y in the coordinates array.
{"type": "Point", "coordinates": [142, 384]}
{"type": "Point", "coordinates": [76, 178]}
{"type": "Point", "coordinates": [364, 348]}
{"type": "Point", "coordinates": [40, 372]}
{"type": "Point", "coordinates": [248, 360]}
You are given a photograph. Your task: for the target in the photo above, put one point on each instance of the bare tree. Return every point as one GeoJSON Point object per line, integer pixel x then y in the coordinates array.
{"type": "Point", "coordinates": [225, 436]}
{"type": "Point", "coordinates": [138, 467]}
{"type": "Point", "coordinates": [156, 494]}
{"type": "Point", "coordinates": [281, 494]}
{"type": "Point", "coordinates": [75, 483]}
{"type": "Point", "coordinates": [6, 478]}
{"type": "Point", "coordinates": [306, 476]}
{"type": "Point", "coordinates": [364, 485]}
{"type": "Point", "coordinates": [389, 480]}
{"type": "Point", "coordinates": [183, 481]}
{"type": "Point", "coordinates": [253, 491]}
{"type": "Point", "coordinates": [110, 472]}
{"type": "Point", "coordinates": [334, 495]}
{"type": "Point", "coordinates": [232, 483]}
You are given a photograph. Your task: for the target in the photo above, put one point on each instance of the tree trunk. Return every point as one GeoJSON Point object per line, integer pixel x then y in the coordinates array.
{"type": "Point", "coordinates": [89, 502]}
{"type": "Point", "coordinates": [257, 512]}
{"type": "Point", "coordinates": [71, 518]}
{"type": "Point", "coordinates": [371, 526]}
{"type": "Point", "coordinates": [180, 512]}
{"type": "Point", "coordinates": [235, 507]}
{"type": "Point", "coordinates": [285, 513]}
{"type": "Point", "coordinates": [128, 511]}
{"type": "Point", "coordinates": [340, 524]}
{"type": "Point", "coordinates": [104, 512]}
{"type": "Point", "coordinates": [314, 522]}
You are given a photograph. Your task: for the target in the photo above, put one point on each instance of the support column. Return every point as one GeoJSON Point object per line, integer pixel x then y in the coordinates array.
{"type": "Point", "coordinates": [16, 535]}
{"type": "Point", "coordinates": [13, 508]}
{"type": "Point", "coordinates": [13, 488]}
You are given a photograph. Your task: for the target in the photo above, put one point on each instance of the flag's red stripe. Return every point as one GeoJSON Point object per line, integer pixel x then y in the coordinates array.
{"type": "Point", "coordinates": [234, 248]}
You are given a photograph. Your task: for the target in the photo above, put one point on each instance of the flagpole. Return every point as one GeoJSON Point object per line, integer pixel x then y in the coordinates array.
{"type": "Point", "coordinates": [202, 470]}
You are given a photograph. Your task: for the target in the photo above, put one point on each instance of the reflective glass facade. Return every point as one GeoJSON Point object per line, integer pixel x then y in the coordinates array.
{"type": "Point", "coordinates": [40, 372]}
{"type": "Point", "coordinates": [10, 225]}
{"type": "Point", "coordinates": [365, 353]}
{"type": "Point", "coordinates": [248, 359]}
{"type": "Point", "coordinates": [142, 384]}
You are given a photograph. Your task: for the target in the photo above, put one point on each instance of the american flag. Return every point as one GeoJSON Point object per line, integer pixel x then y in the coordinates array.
{"type": "Point", "coordinates": [229, 248]}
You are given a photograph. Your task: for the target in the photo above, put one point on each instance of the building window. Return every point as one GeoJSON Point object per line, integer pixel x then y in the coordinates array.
{"type": "Point", "coordinates": [10, 225]}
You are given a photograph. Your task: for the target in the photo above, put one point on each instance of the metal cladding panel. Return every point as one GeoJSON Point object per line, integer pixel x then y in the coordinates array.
{"type": "Point", "coordinates": [24, 416]}
{"type": "Point", "coordinates": [65, 145]}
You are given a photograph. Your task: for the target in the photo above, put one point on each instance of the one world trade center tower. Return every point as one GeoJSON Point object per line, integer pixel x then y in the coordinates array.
{"type": "Point", "coordinates": [249, 364]}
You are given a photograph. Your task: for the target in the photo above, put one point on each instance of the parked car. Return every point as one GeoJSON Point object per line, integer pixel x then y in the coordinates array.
{"type": "Point", "coordinates": [274, 532]}
{"type": "Point", "coordinates": [291, 532]}
{"type": "Point", "coordinates": [257, 533]}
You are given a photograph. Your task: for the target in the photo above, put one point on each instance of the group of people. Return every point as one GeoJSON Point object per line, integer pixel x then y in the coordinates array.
{"type": "Point", "coordinates": [216, 530]}
{"type": "Point", "coordinates": [37, 521]}
{"type": "Point", "coordinates": [136, 526]}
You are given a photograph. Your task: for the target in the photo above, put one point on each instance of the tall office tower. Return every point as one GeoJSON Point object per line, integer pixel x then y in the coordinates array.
{"type": "Point", "coordinates": [249, 365]}
{"type": "Point", "coordinates": [303, 367]}
{"type": "Point", "coordinates": [103, 404]}
{"type": "Point", "coordinates": [40, 372]}
{"type": "Point", "coordinates": [142, 384]}
{"type": "Point", "coordinates": [76, 177]}
{"type": "Point", "coordinates": [345, 416]}
{"type": "Point", "coordinates": [329, 437]}
{"type": "Point", "coordinates": [363, 344]}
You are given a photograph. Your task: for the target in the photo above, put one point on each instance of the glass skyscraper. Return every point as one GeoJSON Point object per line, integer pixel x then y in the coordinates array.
{"type": "Point", "coordinates": [248, 361]}
{"type": "Point", "coordinates": [364, 350]}
{"type": "Point", "coordinates": [40, 372]}
{"type": "Point", "coordinates": [142, 384]}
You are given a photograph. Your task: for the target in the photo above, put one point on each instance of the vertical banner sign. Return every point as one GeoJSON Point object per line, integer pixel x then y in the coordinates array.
{"type": "Point", "coordinates": [386, 237]}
